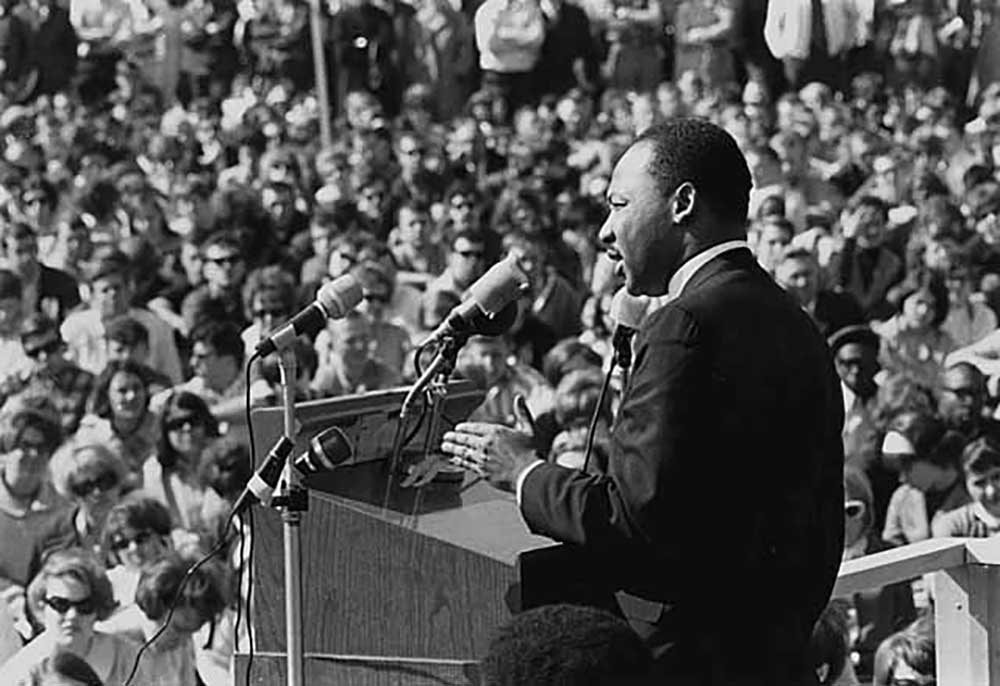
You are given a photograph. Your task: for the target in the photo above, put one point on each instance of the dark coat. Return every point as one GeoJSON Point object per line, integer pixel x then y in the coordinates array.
{"type": "Point", "coordinates": [835, 310]}
{"type": "Point", "coordinates": [722, 508]}
{"type": "Point", "coordinates": [58, 293]}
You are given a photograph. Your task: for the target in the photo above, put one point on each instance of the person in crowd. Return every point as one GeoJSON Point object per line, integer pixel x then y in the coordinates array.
{"type": "Point", "coordinates": [412, 242]}
{"type": "Point", "coordinates": [269, 299]}
{"type": "Point", "coordinates": [365, 52]}
{"type": "Point", "coordinates": [703, 31]}
{"type": "Point", "coordinates": [773, 236]}
{"type": "Point", "coordinates": [509, 37]}
{"type": "Point", "coordinates": [350, 366]}
{"type": "Point", "coordinates": [908, 656]}
{"type": "Point", "coordinates": [969, 319]}
{"type": "Point", "coordinates": [111, 283]}
{"type": "Point", "coordinates": [67, 669]}
{"type": "Point", "coordinates": [136, 534]}
{"type": "Point", "coordinates": [576, 400]}
{"type": "Point", "coordinates": [16, 362]}
{"type": "Point", "coordinates": [798, 272]}
{"type": "Point", "coordinates": [225, 469]}
{"type": "Point", "coordinates": [218, 299]}
{"type": "Point", "coordinates": [855, 354]}
{"type": "Point", "coordinates": [487, 362]}
{"type": "Point", "coordinates": [68, 596]}
{"type": "Point", "coordinates": [570, 55]}
{"type": "Point", "coordinates": [828, 645]}
{"type": "Point", "coordinates": [981, 517]}
{"type": "Point", "coordinates": [171, 473]}
{"type": "Point", "coordinates": [466, 263]}
{"type": "Point", "coordinates": [127, 340]}
{"type": "Point", "coordinates": [44, 290]}
{"type": "Point", "coordinates": [877, 613]}
{"type": "Point", "coordinates": [962, 400]}
{"type": "Point", "coordinates": [30, 508]}
{"type": "Point", "coordinates": [927, 457]}
{"type": "Point", "coordinates": [912, 340]}
{"type": "Point", "coordinates": [52, 375]}
{"type": "Point", "coordinates": [566, 644]}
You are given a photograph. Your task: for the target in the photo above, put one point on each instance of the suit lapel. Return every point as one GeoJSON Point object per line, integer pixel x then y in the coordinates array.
{"type": "Point", "coordinates": [738, 259]}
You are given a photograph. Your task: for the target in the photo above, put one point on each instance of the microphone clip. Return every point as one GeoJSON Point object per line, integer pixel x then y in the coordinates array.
{"type": "Point", "coordinates": [294, 499]}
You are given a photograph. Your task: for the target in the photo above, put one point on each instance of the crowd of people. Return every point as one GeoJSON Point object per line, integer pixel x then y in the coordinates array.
{"type": "Point", "coordinates": [165, 203]}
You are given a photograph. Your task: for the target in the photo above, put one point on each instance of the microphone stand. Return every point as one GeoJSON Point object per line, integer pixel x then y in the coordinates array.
{"type": "Point", "coordinates": [292, 503]}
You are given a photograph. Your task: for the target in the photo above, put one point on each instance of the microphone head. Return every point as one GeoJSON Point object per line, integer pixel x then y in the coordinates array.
{"type": "Point", "coordinates": [629, 310]}
{"type": "Point", "coordinates": [501, 285]}
{"type": "Point", "coordinates": [340, 296]}
{"type": "Point", "coordinates": [327, 449]}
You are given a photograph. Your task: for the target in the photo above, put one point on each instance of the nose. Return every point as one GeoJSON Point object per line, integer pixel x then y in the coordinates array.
{"type": "Point", "coordinates": [990, 491]}
{"type": "Point", "coordinates": [606, 235]}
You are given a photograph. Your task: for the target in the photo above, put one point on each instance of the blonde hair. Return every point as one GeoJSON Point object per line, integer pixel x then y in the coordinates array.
{"type": "Point", "coordinates": [74, 458]}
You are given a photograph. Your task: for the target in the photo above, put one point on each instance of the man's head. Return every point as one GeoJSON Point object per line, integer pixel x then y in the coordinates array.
{"type": "Point", "coordinates": [11, 290]}
{"type": "Point", "coordinates": [773, 236]}
{"type": "Point", "coordinates": [224, 267]}
{"type": "Point", "coordinates": [568, 645]}
{"type": "Point", "coordinates": [30, 431]}
{"type": "Point", "coordinates": [467, 260]}
{"type": "Point", "coordinates": [413, 223]}
{"type": "Point", "coordinates": [682, 187]}
{"type": "Point", "coordinates": [981, 465]}
{"type": "Point", "coordinates": [110, 279]}
{"type": "Point", "coordinates": [21, 249]}
{"type": "Point", "coordinates": [268, 297]}
{"type": "Point", "coordinates": [352, 341]}
{"type": "Point", "coordinates": [126, 339]}
{"type": "Point", "coordinates": [871, 216]}
{"type": "Point", "coordinates": [41, 339]}
{"type": "Point", "coordinates": [963, 394]}
{"type": "Point", "coordinates": [217, 353]}
{"type": "Point", "coordinates": [855, 354]}
{"type": "Point", "coordinates": [798, 273]}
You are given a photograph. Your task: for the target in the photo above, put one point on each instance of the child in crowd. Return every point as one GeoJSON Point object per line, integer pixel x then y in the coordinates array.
{"type": "Point", "coordinates": [981, 517]}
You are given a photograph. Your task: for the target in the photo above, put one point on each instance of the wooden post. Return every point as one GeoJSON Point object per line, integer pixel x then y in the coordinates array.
{"type": "Point", "coordinates": [966, 609]}
{"type": "Point", "coordinates": [319, 69]}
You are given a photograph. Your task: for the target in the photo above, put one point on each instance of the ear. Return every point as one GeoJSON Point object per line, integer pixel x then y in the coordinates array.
{"type": "Point", "coordinates": [683, 202]}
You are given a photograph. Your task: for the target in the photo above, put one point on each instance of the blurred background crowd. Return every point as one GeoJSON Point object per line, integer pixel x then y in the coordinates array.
{"type": "Point", "coordinates": [165, 201]}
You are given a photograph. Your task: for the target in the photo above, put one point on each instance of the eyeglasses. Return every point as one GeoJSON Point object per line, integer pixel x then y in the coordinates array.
{"type": "Point", "coordinates": [139, 539]}
{"type": "Point", "coordinates": [854, 508]}
{"type": "Point", "coordinates": [101, 484]}
{"type": "Point", "coordinates": [273, 313]}
{"type": "Point", "coordinates": [87, 606]}
{"type": "Point", "coordinates": [222, 261]}
{"type": "Point", "coordinates": [181, 422]}
{"type": "Point", "coordinates": [470, 254]}
{"type": "Point", "coordinates": [461, 205]}
{"type": "Point", "coordinates": [377, 297]}
{"type": "Point", "coordinates": [411, 151]}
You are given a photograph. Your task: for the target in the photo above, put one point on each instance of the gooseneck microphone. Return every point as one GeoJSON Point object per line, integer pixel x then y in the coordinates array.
{"type": "Point", "coordinates": [333, 301]}
{"type": "Point", "coordinates": [327, 449]}
{"type": "Point", "coordinates": [488, 297]}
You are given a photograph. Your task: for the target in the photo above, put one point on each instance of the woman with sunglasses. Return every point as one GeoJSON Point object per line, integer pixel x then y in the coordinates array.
{"type": "Point", "coordinates": [875, 614]}
{"type": "Point", "coordinates": [91, 476]}
{"type": "Point", "coordinates": [171, 474]}
{"type": "Point", "coordinates": [68, 596]}
{"type": "Point", "coordinates": [136, 534]}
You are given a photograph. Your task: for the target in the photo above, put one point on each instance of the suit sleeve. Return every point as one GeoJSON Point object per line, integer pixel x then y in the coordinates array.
{"type": "Point", "coordinates": [653, 455]}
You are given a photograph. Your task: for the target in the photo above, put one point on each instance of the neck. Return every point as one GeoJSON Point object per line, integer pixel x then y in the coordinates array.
{"type": "Point", "coordinates": [127, 425]}
{"type": "Point", "coordinates": [22, 491]}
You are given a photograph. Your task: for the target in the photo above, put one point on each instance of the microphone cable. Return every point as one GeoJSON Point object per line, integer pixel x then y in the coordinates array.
{"type": "Point", "coordinates": [596, 416]}
{"type": "Point", "coordinates": [250, 532]}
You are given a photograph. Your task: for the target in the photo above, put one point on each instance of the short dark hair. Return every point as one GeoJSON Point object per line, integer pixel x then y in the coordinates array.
{"type": "Point", "coordinates": [828, 644]}
{"type": "Point", "coordinates": [139, 512]}
{"type": "Point", "coordinates": [924, 281]}
{"type": "Point", "coordinates": [187, 404]}
{"type": "Point", "coordinates": [568, 645]}
{"type": "Point", "coordinates": [99, 403]}
{"type": "Point", "coordinates": [126, 330]}
{"type": "Point", "coordinates": [69, 666]}
{"type": "Point", "coordinates": [224, 336]}
{"type": "Point", "coordinates": [980, 456]}
{"type": "Point", "coordinates": [698, 151]}
{"type": "Point", "coordinates": [873, 202]}
{"type": "Point", "coordinates": [10, 285]}
{"type": "Point", "coordinates": [159, 584]}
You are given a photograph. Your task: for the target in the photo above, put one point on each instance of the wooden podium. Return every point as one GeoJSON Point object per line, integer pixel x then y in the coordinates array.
{"type": "Point", "coordinates": [407, 594]}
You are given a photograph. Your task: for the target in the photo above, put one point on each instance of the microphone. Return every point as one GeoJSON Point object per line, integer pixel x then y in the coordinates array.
{"type": "Point", "coordinates": [333, 301]}
{"type": "Point", "coordinates": [628, 312]}
{"type": "Point", "coordinates": [489, 297]}
{"type": "Point", "coordinates": [327, 449]}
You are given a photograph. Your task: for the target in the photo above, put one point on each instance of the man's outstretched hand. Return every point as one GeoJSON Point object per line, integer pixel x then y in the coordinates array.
{"type": "Point", "coordinates": [493, 451]}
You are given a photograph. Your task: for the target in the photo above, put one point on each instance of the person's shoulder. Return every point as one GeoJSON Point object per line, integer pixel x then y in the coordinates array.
{"type": "Point", "coordinates": [957, 522]}
{"type": "Point", "coordinates": [20, 669]}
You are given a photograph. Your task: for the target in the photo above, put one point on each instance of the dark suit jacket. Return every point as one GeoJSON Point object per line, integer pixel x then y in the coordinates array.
{"type": "Point", "coordinates": [723, 500]}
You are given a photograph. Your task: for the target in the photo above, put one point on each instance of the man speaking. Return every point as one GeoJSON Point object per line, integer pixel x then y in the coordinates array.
{"type": "Point", "coordinates": [721, 509]}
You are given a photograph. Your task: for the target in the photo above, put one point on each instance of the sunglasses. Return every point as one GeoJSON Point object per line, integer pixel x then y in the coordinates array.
{"type": "Point", "coordinates": [87, 606]}
{"type": "Point", "coordinates": [461, 205]}
{"type": "Point", "coordinates": [120, 544]}
{"type": "Point", "coordinates": [48, 349]}
{"type": "Point", "coordinates": [471, 254]}
{"type": "Point", "coordinates": [274, 314]}
{"type": "Point", "coordinates": [101, 484]}
{"type": "Point", "coordinates": [412, 151]}
{"type": "Point", "coordinates": [181, 422]}
{"type": "Point", "coordinates": [377, 297]}
{"type": "Point", "coordinates": [854, 508]}
{"type": "Point", "coordinates": [227, 260]}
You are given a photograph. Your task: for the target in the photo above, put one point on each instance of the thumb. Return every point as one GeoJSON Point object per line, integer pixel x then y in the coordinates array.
{"type": "Point", "coordinates": [525, 422]}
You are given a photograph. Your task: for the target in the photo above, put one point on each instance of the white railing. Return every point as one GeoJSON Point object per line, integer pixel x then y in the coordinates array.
{"type": "Point", "coordinates": [966, 590]}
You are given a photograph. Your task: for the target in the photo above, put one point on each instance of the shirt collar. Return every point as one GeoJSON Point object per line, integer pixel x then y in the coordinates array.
{"type": "Point", "coordinates": [687, 270]}
{"type": "Point", "coordinates": [984, 516]}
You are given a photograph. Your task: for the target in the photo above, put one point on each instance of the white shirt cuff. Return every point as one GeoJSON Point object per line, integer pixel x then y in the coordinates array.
{"type": "Point", "coordinates": [519, 484]}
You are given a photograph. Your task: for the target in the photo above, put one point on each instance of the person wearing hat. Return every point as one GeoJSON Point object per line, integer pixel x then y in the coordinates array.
{"type": "Point", "coordinates": [855, 354]}
{"type": "Point", "coordinates": [64, 383]}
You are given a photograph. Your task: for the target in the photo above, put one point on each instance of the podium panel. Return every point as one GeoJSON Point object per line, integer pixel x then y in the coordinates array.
{"type": "Point", "coordinates": [333, 670]}
{"type": "Point", "coordinates": [390, 575]}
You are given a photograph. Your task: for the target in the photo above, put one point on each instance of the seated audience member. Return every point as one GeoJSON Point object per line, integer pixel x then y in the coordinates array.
{"type": "Point", "coordinates": [403, 306]}
{"type": "Point", "coordinates": [16, 362]}
{"type": "Point", "coordinates": [52, 375]}
{"type": "Point", "coordinates": [136, 534]}
{"type": "Point", "coordinates": [912, 340]}
{"type": "Point", "coordinates": [171, 474]}
{"type": "Point", "coordinates": [855, 355]}
{"type": "Point", "coordinates": [46, 290]}
{"type": "Point", "coordinates": [351, 366]}
{"type": "Point", "coordinates": [120, 415]}
{"type": "Point", "coordinates": [30, 508]}
{"type": "Point", "coordinates": [269, 298]}
{"type": "Point", "coordinates": [908, 656]}
{"type": "Point", "coordinates": [981, 517]}
{"type": "Point", "coordinates": [487, 362]}
{"type": "Point", "coordinates": [203, 598]}
{"type": "Point", "coordinates": [567, 356]}
{"type": "Point", "coordinates": [466, 263]}
{"type": "Point", "coordinates": [392, 345]}
{"type": "Point", "coordinates": [828, 646]}
{"type": "Point", "coordinates": [91, 477]}
{"type": "Point", "coordinates": [218, 299]}
{"type": "Point", "coordinates": [411, 241]}
{"type": "Point", "coordinates": [568, 645]}
{"type": "Point", "coordinates": [67, 669]}
{"type": "Point", "coordinates": [127, 339]}
{"type": "Point", "coordinates": [217, 355]}
{"type": "Point", "coordinates": [962, 400]}
{"type": "Point", "coordinates": [928, 459]}
{"type": "Point", "coordinates": [983, 354]}
{"type": "Point", "coordinates": [576, 399]}
{"type": "Point", "coordinates": [773, 236]}
{"type": "Point", "coordinates": [68, 596]}
{"type": "Point", "coordinates": [875, 613]}
{"type": "Point", "coordinates": [225, 469]}
{"type": "Point", "coordinates": [266, 388]}
{"type": "Point", "coordinates": [865, 268]}
{"type": "Point", "coordinates": [969, 318]}
{"type": "Point", "coordinates": [110, 280]}
{"type": "Point", "coordinates": [798, 273]}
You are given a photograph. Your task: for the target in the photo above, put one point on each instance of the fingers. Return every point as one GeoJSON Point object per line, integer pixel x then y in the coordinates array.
{"type": "Point", "coordinates": [477, 428]}
{"type": "Point", "coordinates": [470, 440]}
